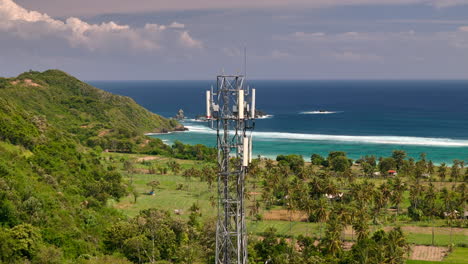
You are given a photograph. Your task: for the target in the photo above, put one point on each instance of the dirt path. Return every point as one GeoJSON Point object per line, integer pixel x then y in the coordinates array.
{"type": "Point", "coordinates": [147, 158]}
{"type": "Point", "coordinates": [27, 82]}
{"type": "Point", "coordinates": [284, 215]}
{"type": "Point", "coordinates": [419, 230]}
{"type": "Point", "coordinates": [145, 143]}
{"type": "Point", "coordinates": [103, 133]}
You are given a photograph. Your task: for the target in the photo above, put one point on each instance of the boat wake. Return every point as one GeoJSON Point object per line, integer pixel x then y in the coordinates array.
{"type": "Point", "coordinates": [387, 140]}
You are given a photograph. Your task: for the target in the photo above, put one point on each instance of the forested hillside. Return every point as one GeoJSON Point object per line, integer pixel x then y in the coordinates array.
{"type": "Point", "coordinates": [53, 186]}
{"type": "Point", "coordinates": [96, 117]}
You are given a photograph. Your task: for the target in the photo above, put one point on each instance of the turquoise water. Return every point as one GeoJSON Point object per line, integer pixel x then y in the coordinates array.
{"type": "Point", "coordinates": [366, 117]}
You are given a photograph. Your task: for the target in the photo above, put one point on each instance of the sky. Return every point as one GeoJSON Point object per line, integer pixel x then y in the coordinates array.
{"type": "Point", "coordinates": [198, 39]}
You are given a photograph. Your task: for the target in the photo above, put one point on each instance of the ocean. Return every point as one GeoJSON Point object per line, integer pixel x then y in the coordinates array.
{"type": "Point", "coordinates": [363, 117]}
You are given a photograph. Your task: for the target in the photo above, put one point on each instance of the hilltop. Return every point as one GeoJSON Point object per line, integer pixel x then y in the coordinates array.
{"type": "Point", "coordinates": [96, 117]}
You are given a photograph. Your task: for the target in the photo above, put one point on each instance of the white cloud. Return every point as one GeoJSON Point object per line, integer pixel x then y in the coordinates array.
{"type": "Point", "coordinates": [27, 24]}
{"type": "Point", "coordinates": [188, 41]}
{"type": "Point", "coordinates": [375, 47]}
{"type": "Point", "coordinates": [176, 25]}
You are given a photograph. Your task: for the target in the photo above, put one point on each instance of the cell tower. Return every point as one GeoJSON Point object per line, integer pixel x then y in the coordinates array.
{"type": "Point", "coordinates": [231, 107]}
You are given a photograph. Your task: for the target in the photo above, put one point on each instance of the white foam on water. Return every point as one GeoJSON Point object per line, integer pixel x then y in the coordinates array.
{"type": "Point", "coordinates": [265, 117]}
{"type": "Point", "coordinates": [196, 120]}
{"type": "Point", "coordinates": [388, 140]}
{"type": "Point", "coordinates": [320, 112]}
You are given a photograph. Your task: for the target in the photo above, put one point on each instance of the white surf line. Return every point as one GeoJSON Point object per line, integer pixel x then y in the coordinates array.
{"type": "Point", "coordinates": [387, 140]}
{"type": "Point", "coordinates": [320, 112]}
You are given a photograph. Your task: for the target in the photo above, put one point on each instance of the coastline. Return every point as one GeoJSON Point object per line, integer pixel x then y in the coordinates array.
{"type": "Point", "coordinates": [279, 145]}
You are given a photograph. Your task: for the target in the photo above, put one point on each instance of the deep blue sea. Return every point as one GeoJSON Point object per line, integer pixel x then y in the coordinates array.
{"type": "Point", "coordinates": [366, 117]}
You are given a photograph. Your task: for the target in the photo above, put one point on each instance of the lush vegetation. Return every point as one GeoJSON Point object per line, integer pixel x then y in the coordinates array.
{"type": "Point", "coordinates": [95, 117]}
{"type": "Point", "coordinates": [53, 186]}
{"type": "Point", "coordinates": [65, 199]}
{"type": "Point", "coordinates": [373, 221]}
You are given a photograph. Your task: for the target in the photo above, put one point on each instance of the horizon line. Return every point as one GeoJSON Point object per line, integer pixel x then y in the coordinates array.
{"type": "Point", "coordinates": [264, 79]}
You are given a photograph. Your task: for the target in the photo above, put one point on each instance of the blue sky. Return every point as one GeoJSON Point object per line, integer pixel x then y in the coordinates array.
{"type": "Point", "coordinates": [187, 39]}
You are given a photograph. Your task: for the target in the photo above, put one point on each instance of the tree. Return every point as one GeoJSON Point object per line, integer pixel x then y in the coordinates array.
{"type": "Point", "coordinates": [399, 156]}
{"type": "Point", "coordinates": [195, 214]}
{"type": "Point", "coordinates": [368, 169]}
{"type": "Point", "coordinates": [455, 171]}
{"type": "Point", "coordinates": [415, 211]}
{"type": "Point", "coordinates": [361, 223]}
{"type": "Point", "coordinates": [430, 205]}
{"type": "Point", "coordinates": [398, 188]}
{"type": "Point", "coordinates": [442, 171]}
{"type": "Point", "coordinates": [371, 160]}
{"type": "Point", "coordinates": [395, 247]}
{"type": "Point", "coordinates": [335, 154]}
{"type": "Point", "coordinates": [269, 165]}
{"type": "Point", "coordinates": [430, 168]}
{"type": "Point", "coordinates": [21, 241]}
{"type": "Point", "coordinates": [317, 159]}
{"type": "Point", "coordinates": [174, 166]}
{"type": "Point", "coordinates": [320, 212]}
{"type": "Point", "coordinates": [270, 247]}
{"type": "Point", "coordinates": [153, 184]}
{"type": "Point", "coordinates": [340, 163]}
{"type": "Point", "coordinates": [128, 166]}
{"type": "Point", "coordinates": [209, 175]}
{"type": "Point", "coordinates": [332, 241]}
{"type": "Point", "coordinates": [135, 193]}
{"type": "Point", "coordinates": [295, 162]}
{"type": "Point", "coordinates": [387, 164]}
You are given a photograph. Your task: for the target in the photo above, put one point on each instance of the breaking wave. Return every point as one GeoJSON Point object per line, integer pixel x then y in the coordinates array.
{"type": "Point", "coordinates": [265, 117]}
{"type": "Point", "coordinates": [388, 140]}
{"type": "Point", "coordinates": [320, 112]}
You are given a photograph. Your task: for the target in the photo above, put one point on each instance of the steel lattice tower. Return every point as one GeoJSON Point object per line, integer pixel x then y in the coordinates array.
{"type": "Point", "coordinates": [233, 117]}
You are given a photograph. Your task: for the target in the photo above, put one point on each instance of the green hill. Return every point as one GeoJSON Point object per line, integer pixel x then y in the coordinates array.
{"type": "Point", "coordinates": [95, 117]}
{"type": "Point", "coordinates": [53, 184]}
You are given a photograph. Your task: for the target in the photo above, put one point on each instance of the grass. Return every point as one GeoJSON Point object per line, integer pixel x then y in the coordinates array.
{"type": "Point", "coordinates": [458, 256]}
{"type": "Point", "coordinates": [168, 197]}
{"type": "Point", "coordinates": [440, 239]}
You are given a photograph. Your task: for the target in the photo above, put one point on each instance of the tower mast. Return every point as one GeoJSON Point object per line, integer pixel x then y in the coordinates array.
{"type": "Point", "coordinates": [229, 106]}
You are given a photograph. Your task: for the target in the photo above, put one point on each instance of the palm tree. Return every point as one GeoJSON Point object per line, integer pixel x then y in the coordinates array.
{"type": "Point", "coordinates": [360, 224]}
{"type": "Point", "coordinates": [430, 168]}
{"type": "Point", "coordinates": [430, 198]}
{"type": "Point", "coordinates": [442, 171]}
{"type": "Point", "coordinates": [398, 187]}
{"type": "Point", "coordinates": [449, 199]}
{"type": "Point", "coordinates": [455, 172]}
{"type": "Point", "coordinates": [344, 215]}
{"type": "Point", "coordinates": [395, 247]}
{"type": "Point", "coordinates": [399, 156]}
{"type": "Point", "coordinates": [332, 241]}
{"type": "Point", "coordinates": [321, 212]}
